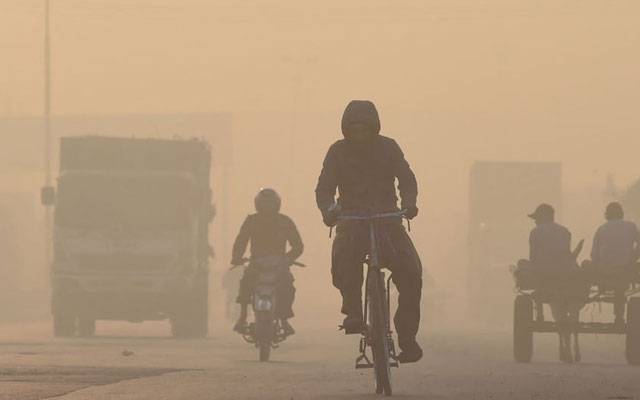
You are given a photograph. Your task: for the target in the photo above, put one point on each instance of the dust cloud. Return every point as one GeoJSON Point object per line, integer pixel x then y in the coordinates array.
{"type": "Point", "coordinates": [455, 82]}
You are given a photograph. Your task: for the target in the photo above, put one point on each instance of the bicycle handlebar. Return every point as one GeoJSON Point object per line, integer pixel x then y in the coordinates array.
{"type": "Point", "coordinates": [245, 261]}
{"type": "Point", "coordinates": [397, 214]}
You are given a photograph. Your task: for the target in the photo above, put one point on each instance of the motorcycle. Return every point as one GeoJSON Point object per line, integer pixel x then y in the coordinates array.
{"type": "Point", "coordinates": [266, 332]}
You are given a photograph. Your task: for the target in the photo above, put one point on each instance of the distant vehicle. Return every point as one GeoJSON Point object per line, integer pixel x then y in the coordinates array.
{"type": "Point", "coordinates": [630, 200]}
{"type": "Point", "coordinates": [500, 195]}
{"type": "Point", "coordinates": [130, 237]}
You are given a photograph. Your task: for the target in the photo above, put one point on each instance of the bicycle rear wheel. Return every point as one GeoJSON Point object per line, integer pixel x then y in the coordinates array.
{"type": "Point", "coordinates": [379, 334]}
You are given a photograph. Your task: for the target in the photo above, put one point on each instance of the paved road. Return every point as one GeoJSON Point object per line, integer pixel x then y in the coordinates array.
{"type": "Point", "coordinates": [317, 364]}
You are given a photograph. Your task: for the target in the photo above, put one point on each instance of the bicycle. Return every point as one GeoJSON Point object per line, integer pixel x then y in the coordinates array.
{"type": "Point", "coordinates": [377, 333]}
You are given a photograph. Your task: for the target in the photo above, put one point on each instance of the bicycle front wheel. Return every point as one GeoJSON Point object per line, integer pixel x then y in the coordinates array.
{"type": "Point", "coordinates": [380, 334]}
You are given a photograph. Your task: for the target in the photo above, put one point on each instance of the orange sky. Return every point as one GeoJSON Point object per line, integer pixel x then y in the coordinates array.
{"type": "Point", "coordinates": [455, 81]}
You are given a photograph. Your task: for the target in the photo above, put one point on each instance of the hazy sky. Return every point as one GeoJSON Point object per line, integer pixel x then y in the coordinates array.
{"type": "Point", "coordinates": [535, 79]}
{"type": "Point", "coordinates": [454, 80]}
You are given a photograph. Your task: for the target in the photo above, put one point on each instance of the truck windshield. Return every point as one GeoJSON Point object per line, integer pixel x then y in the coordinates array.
{"type": "Point", "coordinates": [120, 201]}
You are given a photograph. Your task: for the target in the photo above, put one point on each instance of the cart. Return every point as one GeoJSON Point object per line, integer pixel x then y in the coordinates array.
{"type": "Point", "coordinates": [526, 320]}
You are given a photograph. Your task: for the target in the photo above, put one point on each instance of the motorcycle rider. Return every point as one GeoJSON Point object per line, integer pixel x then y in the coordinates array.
{"type": "Point", "coordinates": [363, 168]}
{"type": "Point", "coordinates": [269, 231]}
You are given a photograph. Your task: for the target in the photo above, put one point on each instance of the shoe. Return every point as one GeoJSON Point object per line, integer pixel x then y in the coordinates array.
{"type": "Point", "coordinates": [240, 327]}
{"type": "Point", "coordinates": [577, 357]}
{"type": "Point", "coordinates": [352, 325]}
{"type": "Point", "coordinates": [539, 313]}
{"type": "Point", "coordinates": [411, 352]}
{"type": "Point", "coordinates": [287, 329]}
{"type": "Point", "coordinates": [565, 355]}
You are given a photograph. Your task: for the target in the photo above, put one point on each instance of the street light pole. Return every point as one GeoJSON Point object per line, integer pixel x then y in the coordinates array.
{"type": "Point", "coordinates": [47, 128]}
{"type": "Point", "coordinates": [47, 96]}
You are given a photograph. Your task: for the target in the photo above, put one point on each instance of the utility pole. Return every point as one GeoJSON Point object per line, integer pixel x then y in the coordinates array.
{"type": "Point", "coordinates": [47, 96]}
{"type": "Point", "coordinates": [47, 128]}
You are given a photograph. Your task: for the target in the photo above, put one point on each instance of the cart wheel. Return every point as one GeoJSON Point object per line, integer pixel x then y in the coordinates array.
{"type": "Point", "coordinates": [633, 331]}
{"type": "Point", "coordinates": [522, 331]}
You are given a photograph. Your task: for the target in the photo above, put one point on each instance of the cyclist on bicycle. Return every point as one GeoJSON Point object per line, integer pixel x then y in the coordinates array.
{"type": "Point", "coordinates": [269, 231]}
{"type": "Point", "coordinates": [363, 167]}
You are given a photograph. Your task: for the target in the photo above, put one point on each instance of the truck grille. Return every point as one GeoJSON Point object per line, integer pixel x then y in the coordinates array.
{"type": "Point", "coordinates": [124, 263]}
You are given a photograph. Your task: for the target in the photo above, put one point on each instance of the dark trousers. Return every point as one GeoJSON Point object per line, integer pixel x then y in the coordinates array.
{"type": "Point", "coordinates": [397, 253]}
{"type": "Point", "coordinates": [616, 279]}
{"type": "Point", "coordinates": [619, 298]}
{"type": "Point", "coordinates": [285, 291]}
{"type": "Point", "coordinates": [620, 302]}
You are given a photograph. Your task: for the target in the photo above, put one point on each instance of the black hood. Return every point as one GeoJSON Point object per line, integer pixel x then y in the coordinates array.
{"type": "Point", "coordinates": [360, 111]}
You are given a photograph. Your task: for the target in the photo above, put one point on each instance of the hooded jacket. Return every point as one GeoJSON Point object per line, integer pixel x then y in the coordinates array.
{"type": "Point", "coordinates": [365, 175]}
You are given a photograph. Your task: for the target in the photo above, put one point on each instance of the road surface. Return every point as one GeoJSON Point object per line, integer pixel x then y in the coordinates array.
{"type": "Point", "coordinates": [140, 362]}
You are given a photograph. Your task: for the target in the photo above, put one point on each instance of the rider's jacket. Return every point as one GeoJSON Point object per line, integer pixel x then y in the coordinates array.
{"type": "Point", "coordinates": [365, 175]}
{"type": "Point", "coordinates": [269, 234]}
{"type": "Point", "coordinates": [615, 244]}
{"type": "Point", "coordinates": [550, 245]}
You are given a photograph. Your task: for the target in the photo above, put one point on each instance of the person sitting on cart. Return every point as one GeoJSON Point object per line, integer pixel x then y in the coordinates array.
{"type": "Point", "coordinates": [559, 281]}
{"type": "Point", "coordinates": [549, 249]}
{"type": "Point", "coordinates": [616, 246]}
{"type": "Point", "coordinates": [269, 231]}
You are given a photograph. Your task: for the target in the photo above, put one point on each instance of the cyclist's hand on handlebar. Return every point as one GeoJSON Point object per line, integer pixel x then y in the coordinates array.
{"type": "Point", "coordinates": [237, 262]}
{"type": "Point", "coordinates": [411, 213]}
{"type": "Point", "coordinates": [330, 216]}
{"type": "Point", "coordinates": [329, 219]}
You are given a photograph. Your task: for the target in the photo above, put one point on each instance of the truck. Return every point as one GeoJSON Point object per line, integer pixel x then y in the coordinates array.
{"type": "Point", "coordinates": [130, 233]}
{"type": "Point", "coordinates": [630, 200]}
{"type": "Point", "coordinates": [501, 194]}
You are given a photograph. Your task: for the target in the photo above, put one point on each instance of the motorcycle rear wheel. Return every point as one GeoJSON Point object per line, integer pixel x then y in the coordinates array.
{"type": "Point", "coordinates": [264, 331]}
{"type": "Point", "coordinates": [264, 351]}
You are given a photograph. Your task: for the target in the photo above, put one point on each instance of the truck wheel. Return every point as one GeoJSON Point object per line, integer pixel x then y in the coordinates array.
{"type": "Point", "coordinates": [180, 328]}
{"type": "Point", "coordinates": [64, 325]}
{"type": "Point", "coordinates": [522, 331]}
{"type": "Point", "coordinates": [86, 327]}
{"type": "Point", "coordinates": [200, 312]}
{"type": "Point", "coordinates": [633, 331]}
{"type": "Point", "coordinates": [183, 324]}
{"type": "Point", "coordinates": [191, 318]}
